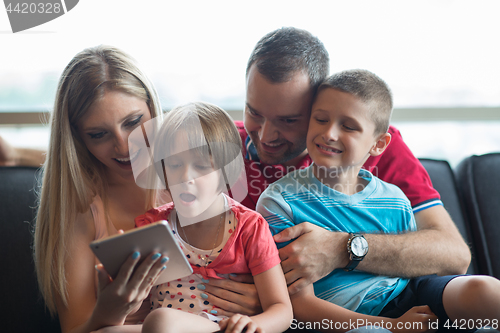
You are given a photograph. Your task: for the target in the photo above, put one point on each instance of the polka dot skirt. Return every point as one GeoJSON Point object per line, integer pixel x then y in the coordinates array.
{"type": "Point", "coordinates": [185, 294]}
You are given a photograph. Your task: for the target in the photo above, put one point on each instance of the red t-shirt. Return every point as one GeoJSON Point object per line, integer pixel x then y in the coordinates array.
{"type": "Point", "coordinates": [396, 165]}
{"type": "Point", "coordinates": [249, 250]}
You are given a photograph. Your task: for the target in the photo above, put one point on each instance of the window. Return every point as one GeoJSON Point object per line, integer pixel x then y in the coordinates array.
{"type": "Point", "coordinates": [434, 54]}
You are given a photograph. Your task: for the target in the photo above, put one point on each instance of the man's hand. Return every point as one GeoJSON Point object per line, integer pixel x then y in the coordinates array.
{"type": "Point", "coordinates": [236, 295]}
{"type": "Point", "coordinates": [312, 255]}
{"type": "Point", "coordinates": [7, 153]}
{"type": "Point", "coordinates": [12, 156]}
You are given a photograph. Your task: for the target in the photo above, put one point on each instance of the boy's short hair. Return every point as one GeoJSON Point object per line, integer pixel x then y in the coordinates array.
{"type": "Point", "coordinates": [367, 87]}
{"type": "Point", "coordinates": [288, 50]}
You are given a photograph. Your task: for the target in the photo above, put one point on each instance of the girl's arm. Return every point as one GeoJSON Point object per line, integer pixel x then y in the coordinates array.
{"type": "Point", "coordinates": [328, 317]}
{"type": "Point", "coordinates": [84, 312]}
{"type": "Point", "coordinates": [273, 295]}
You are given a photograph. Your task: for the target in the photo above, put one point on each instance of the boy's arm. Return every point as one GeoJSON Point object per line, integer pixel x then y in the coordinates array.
{"type": "Point", "coordinates": [328, 317]}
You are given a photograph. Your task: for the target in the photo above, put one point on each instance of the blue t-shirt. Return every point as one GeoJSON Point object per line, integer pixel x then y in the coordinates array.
{"type": "Point", "coordinates": [378, 208]}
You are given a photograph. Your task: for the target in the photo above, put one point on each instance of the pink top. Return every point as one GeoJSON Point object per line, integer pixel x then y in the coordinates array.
{"type": "Point", "coordinates": [250, 249]}
{"type": "Point", "coordinates": [101, 231]}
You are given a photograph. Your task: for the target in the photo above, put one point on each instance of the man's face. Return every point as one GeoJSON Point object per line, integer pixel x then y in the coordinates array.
{"type": "Point", "coordinates": [276, 117]}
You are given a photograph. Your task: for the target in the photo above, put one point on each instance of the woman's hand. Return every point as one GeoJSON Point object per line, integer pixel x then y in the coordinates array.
{"type": "Point", "coordinates": [120, 297]}
{"type": "Point", "coordinates": [238, 323]}
{"type": "Point", "coordinates": [234, 295]}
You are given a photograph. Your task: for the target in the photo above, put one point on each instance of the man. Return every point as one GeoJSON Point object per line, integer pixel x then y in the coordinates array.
{"type": "Point", "coordinates": [283, 72]}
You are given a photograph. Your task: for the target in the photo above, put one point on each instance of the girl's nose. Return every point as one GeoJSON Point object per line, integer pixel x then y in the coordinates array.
{"type": "Point", "coordinates": [187, 176]}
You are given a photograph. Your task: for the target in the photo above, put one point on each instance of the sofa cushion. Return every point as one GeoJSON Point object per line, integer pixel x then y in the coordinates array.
{"type": "Point", "coordinates": [478, 180]}
{"type": "Point", "coordinates": [443, 180]}
{"type": "Point", "coordinates": [24, 309]}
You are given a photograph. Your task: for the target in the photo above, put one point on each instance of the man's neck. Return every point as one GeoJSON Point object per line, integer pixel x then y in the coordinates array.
{"type": "Point", "coordinates": [294, 162]}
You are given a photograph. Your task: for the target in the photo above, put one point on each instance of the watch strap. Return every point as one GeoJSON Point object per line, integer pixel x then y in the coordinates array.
{"type": "Point", "coordinates": [353, 263]}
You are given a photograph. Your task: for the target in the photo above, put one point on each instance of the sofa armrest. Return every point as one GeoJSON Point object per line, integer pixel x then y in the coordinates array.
{"type": "Point", "coordinates": [478, 179]}
{"type": "Point", "coordinates": [443, 180]}
{"type": "Point", "coordinates": [24, 309]}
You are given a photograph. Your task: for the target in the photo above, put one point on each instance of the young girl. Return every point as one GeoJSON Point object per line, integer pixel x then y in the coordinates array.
{"type": "Point", "coordinates": [198, 151]}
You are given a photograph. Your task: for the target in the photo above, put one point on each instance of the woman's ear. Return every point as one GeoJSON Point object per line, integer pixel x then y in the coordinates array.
{"type": "Point", "coordinates": [381, 144]}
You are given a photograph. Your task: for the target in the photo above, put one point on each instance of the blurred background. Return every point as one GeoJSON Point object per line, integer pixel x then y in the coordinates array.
{"type": "Point", "coordinates": [441, 59]}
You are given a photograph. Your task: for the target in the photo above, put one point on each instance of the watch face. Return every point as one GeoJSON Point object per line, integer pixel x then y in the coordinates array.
{"type": "Point", "coordinates": [359, 246]}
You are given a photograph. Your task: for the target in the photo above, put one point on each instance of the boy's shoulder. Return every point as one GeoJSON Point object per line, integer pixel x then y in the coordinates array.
{"type": "Point", "coordinates": [383, 188]}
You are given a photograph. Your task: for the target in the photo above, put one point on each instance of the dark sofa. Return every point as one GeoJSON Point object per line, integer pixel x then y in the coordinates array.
{"type": "Point", "coordinates": [471, 194]}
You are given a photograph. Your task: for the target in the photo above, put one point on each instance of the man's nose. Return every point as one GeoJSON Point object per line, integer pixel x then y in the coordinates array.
{"type": "Point", "coordinates": [268, 132]}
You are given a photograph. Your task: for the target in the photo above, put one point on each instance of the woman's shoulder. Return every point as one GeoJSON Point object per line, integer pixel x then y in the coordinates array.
{"type": "Point", "coordinates": [84, 226]}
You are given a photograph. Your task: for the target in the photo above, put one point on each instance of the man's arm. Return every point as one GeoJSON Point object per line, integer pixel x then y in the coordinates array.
{"type": "Point", "coordinates": [435, 248]}
{"type": "Point", "coordinates": [12, 156]}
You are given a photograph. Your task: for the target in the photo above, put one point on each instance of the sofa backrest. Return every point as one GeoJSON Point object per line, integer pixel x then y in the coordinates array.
{"type": "Point", "coordinates": [443, 180]}
{"type": "Point", "coordinates": [479, 183]}
{"type": "Point", "coordinates": [24, 309]}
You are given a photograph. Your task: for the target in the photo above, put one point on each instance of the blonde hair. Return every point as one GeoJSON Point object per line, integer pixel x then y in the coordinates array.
{"type": "Point", "coordinates": [211, 132]}
{"type": "Point", "coordinates": [72, 176]}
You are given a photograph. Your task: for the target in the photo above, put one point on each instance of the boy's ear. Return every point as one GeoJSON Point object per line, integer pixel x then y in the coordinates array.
{"type": "Point", "coordinates": [381, 144]}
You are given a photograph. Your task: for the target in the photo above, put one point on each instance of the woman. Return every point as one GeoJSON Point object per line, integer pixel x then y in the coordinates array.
{"type": "Point", "coordinates": [88, 192]}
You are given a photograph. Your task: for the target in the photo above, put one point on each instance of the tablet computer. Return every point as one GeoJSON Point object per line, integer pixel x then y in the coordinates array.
{"type": "Point", "coordinates": [113, 251]}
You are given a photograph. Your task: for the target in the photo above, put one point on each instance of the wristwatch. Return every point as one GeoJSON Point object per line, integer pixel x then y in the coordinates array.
{"type": "Point", "coordinates": [357, 248]}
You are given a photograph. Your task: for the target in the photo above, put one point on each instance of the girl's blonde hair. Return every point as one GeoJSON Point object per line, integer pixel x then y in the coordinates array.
{"type": "Point", "coordinates": [72, 176]}
{"type": "Point", "coordinates": [210, 132]}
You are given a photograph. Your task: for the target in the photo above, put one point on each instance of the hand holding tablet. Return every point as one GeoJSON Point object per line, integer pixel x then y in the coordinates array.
{"type": "Point", "coordinates": [157, 237]}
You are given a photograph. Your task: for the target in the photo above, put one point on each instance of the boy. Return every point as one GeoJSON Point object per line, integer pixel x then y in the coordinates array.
{"type": "Point", "coordinates": [349, 121]}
